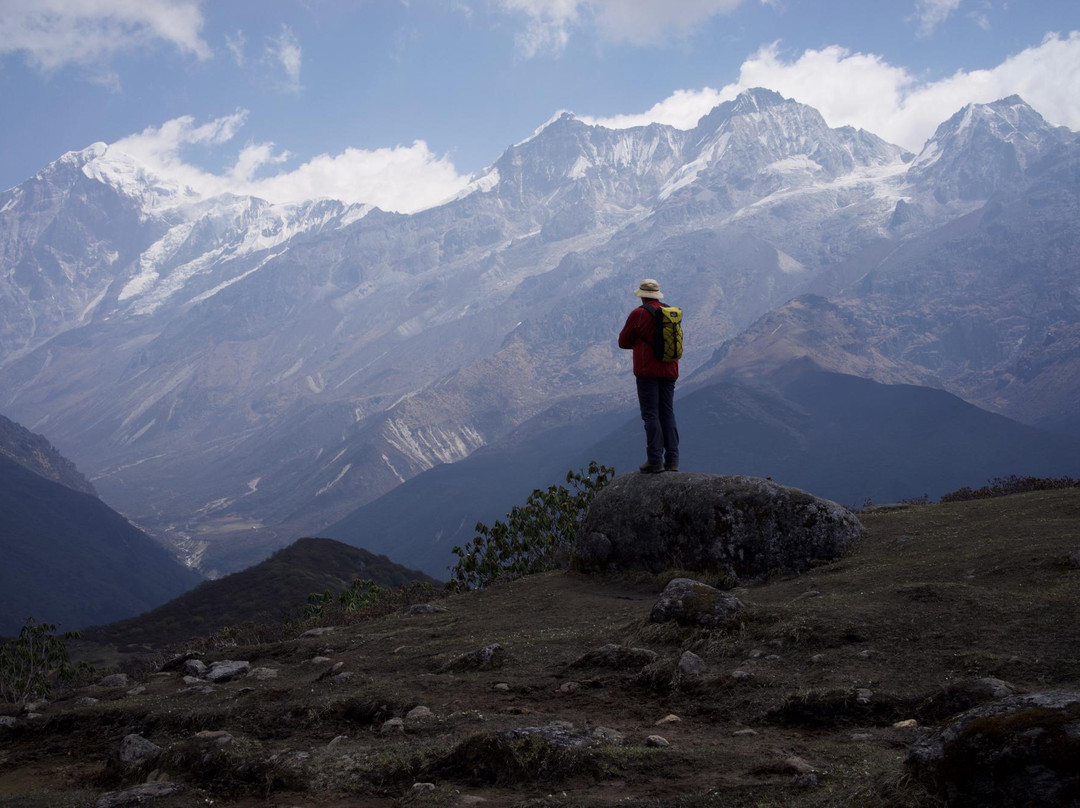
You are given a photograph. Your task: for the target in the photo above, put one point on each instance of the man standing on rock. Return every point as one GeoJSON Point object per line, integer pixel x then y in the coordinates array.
{"type": "Point", "coordinates": [655, 382]}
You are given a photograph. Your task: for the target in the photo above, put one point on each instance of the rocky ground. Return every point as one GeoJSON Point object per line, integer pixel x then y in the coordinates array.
{"type": "Point", "coordinates": [560, 689]}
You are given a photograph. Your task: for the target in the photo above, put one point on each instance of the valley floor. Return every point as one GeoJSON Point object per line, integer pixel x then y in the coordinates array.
{"type": "Point", "coordinates": [811, 700]}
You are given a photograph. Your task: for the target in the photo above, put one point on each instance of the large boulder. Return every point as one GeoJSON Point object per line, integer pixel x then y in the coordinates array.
{"type": "Point", "coordinates": [742, 526]}
{"type": "Point", "coordinates": [1018, 751]}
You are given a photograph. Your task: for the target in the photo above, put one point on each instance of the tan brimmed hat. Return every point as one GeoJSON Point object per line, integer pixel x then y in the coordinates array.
{"type": "Point", "coordinates": [649, 288]}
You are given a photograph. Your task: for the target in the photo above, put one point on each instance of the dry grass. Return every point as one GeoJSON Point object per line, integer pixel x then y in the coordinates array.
{"type": "Point", "coordinates": [932, 597]}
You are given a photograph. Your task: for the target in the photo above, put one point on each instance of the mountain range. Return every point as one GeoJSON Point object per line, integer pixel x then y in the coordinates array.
{"type": "Point", "coordinates": [234, 374]}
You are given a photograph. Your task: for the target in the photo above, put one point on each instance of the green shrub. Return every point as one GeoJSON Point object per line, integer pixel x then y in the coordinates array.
{"type": "Point", "coordinates": [535, 537]}
{"type": "Point", "coordinates": [364, 597]}
{"type": "Point", "coordinates": [33, 661]}
{"type": "Point", "coordinates": [1013, 484]}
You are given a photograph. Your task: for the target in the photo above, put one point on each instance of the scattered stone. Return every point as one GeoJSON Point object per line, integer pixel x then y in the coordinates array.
{"type": "Point", "coordinates": [137, 691]}
{"type": "Point", "coordinates": [866, 653]}
{"type": "Point", "coordinates": [561, 724]}
{"type": "Point", "coordinates": [423, 787]}
{"type": "Point", "coordinates": [741, 674]}
{"type": "Point", "coordinates": [615, 657]}
{"type": "Point", "coordinates": [177, 662]}
{"type": "Point", "coordinates": [744, 733]}
{"type": "Point", "coordinates": [569, 687]}
{"type": "Point", "coordinates": [863, 696]}
{"type": "Point", "coordinates": [261, 674]}
{"type": "Point", "coordinates": [320, 660]}
{"type": "Point", "coordinates": [691, 664]}
{"type": "Point", "coordinates": [518, 755]}
{"type": "Point", "coordinates": [691, 602]}
{"type": "Point", "coordinates": [336, 742]}
{"type": "Point", "coordinates": [191, 680]}
{"type": "Point", "coordinates": [8, 721]}
{"type": "Point", "coordinates": [341, 678]}
{"type": "Point", "coordinates": [114, 680]}
{"type": "Point", "coordinates": [861, 737]}
{"type": "Point", "coordinates": [331, 671]}
{"type": "Point", "coordinates": [487, 658]}
{"type": "Point", "coordinates": [419, 713]}
{"type": "Point", "coordinates": [137, 795]}
{"type": "Point", "coordinates": [743, 526]}
{"type": "Point", "coordinates": [657, 740]}
{"type": "Point", "coordinates": [1020, 750]}
{"type": "Point", "coordinates": [395, 726]}
{"type": "Point", "coordinates": [425, 608]}
{"type": "Point", "coordinates": [87, 701]}
{"type": "Point", "coordinates": [35, 706]}
{"type": "Point", "coordinates": [817, 659]}
{"type": "Point", "coordinates": [808, 780]}
{"type": "Point", "coordinates": [671, 718]}
{"type": "Point", "coordinates": [217, 737]}
{"type": "Point", "coordinates": [135, 750]}
{"type": "Point", "coordinates": [798, 765]}
{"type": "Point", "coordinates": [963, 695]}
{"type": "Point", "coordinates": [226, 669]}
{"type": "Point", "coordinates": [906, 723]}
{"type": "Point", "coordinates": [317, 632]}
{"type": "Point", "coordinates": [195, 667]}
{"type": "Point", "coordinates": [608, 735]}
{"type": "Point", "coordinates": [501, 687]}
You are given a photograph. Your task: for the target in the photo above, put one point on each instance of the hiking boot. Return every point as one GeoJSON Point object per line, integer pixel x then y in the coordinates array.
{"type": "Point", "coordinates": [671, 465]}
{"type": "Point", "coordinates": [651, 468]}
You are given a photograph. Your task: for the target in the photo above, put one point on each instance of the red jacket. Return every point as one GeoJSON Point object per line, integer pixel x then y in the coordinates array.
{"type": "Point", "coordinates": [637, 335]}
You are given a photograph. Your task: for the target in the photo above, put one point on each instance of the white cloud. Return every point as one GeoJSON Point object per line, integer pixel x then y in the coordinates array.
{"type": "Point", "coordinates": [931, 13]}
{"type": "Point", "coordinates": [284, 50]}
{"type": "Point", "coordinates": [236, 43]}
{"type": "Point", "coordinates": [682, 109]}
{"type": "Point", "coordinates": [54, 33]}
{"type": "Point", "coordinates": [641, 22]}
{"type": "Point", "coordinates": [865, 91]}
{"type": "Point", "coordinates": [402, 178]}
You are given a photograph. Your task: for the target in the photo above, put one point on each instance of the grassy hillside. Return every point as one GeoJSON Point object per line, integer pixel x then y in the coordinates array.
{"type": "Point", "coordinates": [269, 592]}
{"type": "Point", "coordinates": [930, 600]}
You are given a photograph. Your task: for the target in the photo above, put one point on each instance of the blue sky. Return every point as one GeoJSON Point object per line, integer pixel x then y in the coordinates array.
{"type": "Point", "coordinates": [396, 103]}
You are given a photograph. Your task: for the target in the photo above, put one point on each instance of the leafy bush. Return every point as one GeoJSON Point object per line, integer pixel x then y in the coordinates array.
{"type": "Point", "coordinates": [535, 537]}
{"type": "Point", "coordinates": [33, 661]}
{"type": "Point", "coordinates": [1013, 484]}
{"type": "Point", "coordinates": [363, 597]}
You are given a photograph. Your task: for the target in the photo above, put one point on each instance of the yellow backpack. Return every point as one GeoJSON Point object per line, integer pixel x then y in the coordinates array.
{"type": "Point", "coordinates": [667, 334]}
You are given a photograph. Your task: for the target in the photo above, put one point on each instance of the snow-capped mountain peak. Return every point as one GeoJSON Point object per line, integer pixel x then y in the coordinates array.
{"type": "Point", "coordinates": [983, 148]}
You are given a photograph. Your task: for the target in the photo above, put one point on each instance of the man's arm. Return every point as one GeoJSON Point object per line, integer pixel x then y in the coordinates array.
{"type": "Point", "coordinates": [629, 334]}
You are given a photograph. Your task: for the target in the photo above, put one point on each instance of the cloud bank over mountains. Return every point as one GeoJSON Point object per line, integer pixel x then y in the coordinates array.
{"type": "Point", "coordinates": [856, 89]}
{"type": "Point", "coordinates": [865, 91]}
{"type": "Point", "coordinates": [852, 87]}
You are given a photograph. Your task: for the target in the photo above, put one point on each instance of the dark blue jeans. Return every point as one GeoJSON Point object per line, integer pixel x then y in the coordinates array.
{"type": "Point", "coordinates": [656, 397]}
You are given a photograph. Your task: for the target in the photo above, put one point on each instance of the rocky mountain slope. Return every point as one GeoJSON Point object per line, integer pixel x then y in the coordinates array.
{"type": "Point", "coordinates": [36, 454]}
{"type": "Point", "coordinates": [70, 559]}
{"type": "Point", "coordinates": [234, 374]}
{"type": "Point", "coordinates": [813, 698]}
